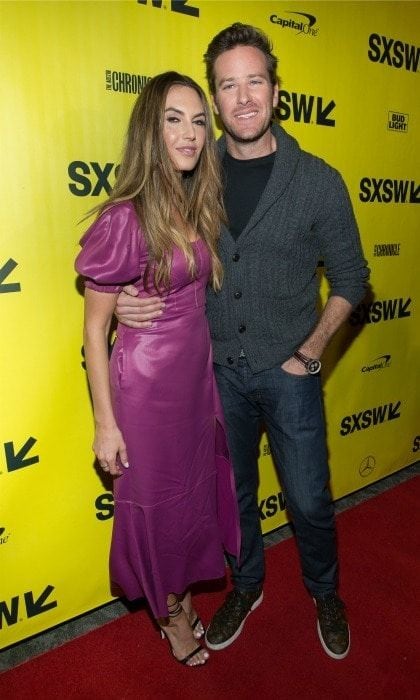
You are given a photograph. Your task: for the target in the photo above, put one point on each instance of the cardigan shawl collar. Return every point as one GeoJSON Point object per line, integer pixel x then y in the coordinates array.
{"type": "Point", "coordinates": [284, 167]}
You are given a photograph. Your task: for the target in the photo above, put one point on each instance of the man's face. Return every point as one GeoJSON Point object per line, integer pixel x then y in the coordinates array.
{"type": "Point", "coordinates": [244, 98]}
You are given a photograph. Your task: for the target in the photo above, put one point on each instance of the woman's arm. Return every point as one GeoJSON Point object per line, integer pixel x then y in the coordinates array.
{"type": "Point", "coordinates": [108, 442]}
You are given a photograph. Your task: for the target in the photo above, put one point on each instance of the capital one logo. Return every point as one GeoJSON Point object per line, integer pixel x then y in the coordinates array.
{"type": "Point", "coordinates": [301, 26]}
{"type": "Point", "coordinates": [381, 362]}
{"type": "Point", "coordinates": [181, 6]}
{"type": "Point", "coordinates": [4, 536]}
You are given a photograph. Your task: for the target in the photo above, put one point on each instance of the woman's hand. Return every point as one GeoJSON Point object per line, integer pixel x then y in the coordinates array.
{"type": "Point", "coordinates": [108, 444]}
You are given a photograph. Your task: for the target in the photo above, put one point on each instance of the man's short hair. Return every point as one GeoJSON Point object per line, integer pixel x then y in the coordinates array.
{"type": "Point", "coordinates": [239, 34]}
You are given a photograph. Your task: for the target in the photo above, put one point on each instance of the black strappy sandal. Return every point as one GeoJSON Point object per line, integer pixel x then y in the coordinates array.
{"type": "Point", "coordinates": [177, 610]}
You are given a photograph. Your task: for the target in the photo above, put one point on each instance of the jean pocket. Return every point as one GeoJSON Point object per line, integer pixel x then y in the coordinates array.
{"type": "Point", "coordinates": [299, 377]}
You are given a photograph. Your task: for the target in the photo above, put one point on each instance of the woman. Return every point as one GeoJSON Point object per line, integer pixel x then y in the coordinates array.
{"type": "Point", "coordinates": [158, 421]}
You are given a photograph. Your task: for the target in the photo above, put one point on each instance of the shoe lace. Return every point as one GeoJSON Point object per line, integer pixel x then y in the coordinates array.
{"type": "Point", "coordinates": [331, 610]}
{"type": "Point", "coordinates": [235, 602]}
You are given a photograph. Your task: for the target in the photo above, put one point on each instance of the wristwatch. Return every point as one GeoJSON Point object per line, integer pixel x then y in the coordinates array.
{"type": "Point", "coordinates": [311, 365]}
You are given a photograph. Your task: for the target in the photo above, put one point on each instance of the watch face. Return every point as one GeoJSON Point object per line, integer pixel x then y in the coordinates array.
{"type": "Point", "coordinates": [313, 366]}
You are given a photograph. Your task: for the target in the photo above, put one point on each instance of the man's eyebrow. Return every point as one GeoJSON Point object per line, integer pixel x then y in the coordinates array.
{"type": "Point", "coordinates": [250, 75]}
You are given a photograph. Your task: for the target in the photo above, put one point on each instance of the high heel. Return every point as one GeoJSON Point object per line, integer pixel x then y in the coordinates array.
{"type": "Point", "coordinates": [176, 610]}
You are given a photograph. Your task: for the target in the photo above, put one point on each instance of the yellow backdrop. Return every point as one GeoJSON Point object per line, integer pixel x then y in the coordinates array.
{"type": "Point", "coordinates": [71, 72]}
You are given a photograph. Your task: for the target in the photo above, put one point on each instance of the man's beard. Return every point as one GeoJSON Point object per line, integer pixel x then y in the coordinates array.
{"type": "Point", "coordinates": [247, 139]}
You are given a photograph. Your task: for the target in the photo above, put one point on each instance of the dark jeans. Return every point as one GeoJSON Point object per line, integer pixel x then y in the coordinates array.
{"type": "Point", "coordinates": [290, 407]}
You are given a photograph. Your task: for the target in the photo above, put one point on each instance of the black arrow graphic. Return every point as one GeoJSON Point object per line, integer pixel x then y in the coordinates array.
{"type": "Point", "coordinates": [2, 529]}
{"type": "Point", "coordinates": [403, 308]}
{"type": "Point", "coordinates": [311, 19]}
{"type": "Point", "coordinates": [36, 607]}
{"type": "Point", "coordinates": [322, 114]}
{"type": "Point", "coordinates": [393, 411]}
{"type": "Point", "coordinates": [5, 272]}
{"type": "Point", "coordinates": [17, 461]}
{"type": "Point", "coordinates": [414, 193]}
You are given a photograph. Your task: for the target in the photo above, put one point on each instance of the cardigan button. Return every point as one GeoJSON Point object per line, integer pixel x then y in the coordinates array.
{"type": "Point", "coordinates": [230, 360]}
{"type": "Point", "coordinates": [237, 295]}
{"type": "Point", "coordinates": [242, 328]}
{"type": "Point", "coordinates": [235, 257]}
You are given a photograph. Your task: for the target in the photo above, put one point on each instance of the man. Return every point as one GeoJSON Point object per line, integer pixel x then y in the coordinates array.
{"type": "Point", "coordinates": [286, 210]}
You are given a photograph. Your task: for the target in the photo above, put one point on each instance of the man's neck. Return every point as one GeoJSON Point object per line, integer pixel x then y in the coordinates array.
{"type": "Point", "coordinates": [253, 149]}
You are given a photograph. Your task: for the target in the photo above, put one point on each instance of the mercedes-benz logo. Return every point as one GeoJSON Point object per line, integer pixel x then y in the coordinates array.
{"type": "Point", "coordinates": [367, 465]}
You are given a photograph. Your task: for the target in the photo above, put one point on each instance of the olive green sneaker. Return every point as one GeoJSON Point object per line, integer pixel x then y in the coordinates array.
{"type": "Point", "coordinates": [228, 622]}
{"type": "Point", "coordinates": [333, 628]}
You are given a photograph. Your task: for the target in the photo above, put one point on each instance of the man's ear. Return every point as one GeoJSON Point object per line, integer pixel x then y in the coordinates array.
{"type": "Point", "coordinates": [275, 95]}
{"type": "Point", "coordinates": [214, 105]}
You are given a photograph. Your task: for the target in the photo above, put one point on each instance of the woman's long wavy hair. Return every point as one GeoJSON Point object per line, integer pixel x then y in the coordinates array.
{"type": "Point", "coordinates": [169, 206]}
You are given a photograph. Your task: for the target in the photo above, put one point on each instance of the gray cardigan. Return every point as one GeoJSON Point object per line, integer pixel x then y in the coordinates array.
{"type": "Point", "coordinates": [267, 305]}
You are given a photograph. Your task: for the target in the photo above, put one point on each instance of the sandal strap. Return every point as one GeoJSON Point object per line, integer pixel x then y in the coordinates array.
{"type": "Point", "coordinates": [190, 655]}
{"type": "Point", "coordinates": [176, 609]}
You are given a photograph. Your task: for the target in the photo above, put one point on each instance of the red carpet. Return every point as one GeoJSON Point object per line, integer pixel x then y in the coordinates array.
{"type": "Point", "coordinates": [278, 655]}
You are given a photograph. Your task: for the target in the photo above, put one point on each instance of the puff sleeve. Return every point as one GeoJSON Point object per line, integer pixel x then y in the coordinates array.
{"type": "Point", "coordinates": [112, 250]}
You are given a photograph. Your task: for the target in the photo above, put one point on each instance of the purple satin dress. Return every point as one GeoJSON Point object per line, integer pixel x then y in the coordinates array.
{"type": "Point", "coordinates": [175, 506]}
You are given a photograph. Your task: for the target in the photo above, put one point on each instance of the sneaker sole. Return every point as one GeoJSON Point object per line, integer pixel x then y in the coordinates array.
{"type": "Point", "coordinates": [324, 646]}
{"type": "Point", "coordinates": [328, 651]}
{"type": "Point", "coordinates": [228, 642]}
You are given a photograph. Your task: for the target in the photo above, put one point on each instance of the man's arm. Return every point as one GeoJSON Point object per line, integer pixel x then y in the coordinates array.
{"type": "Point", "coordinates": [345, 268]}
{"type": "Point", "coordinates": [336, 311]}
{"type": "Point", "coordinates": [137, 313]}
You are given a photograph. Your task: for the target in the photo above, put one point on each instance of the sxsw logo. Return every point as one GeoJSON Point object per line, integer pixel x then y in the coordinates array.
{"type": "Point", "coordinates": [305, 26]}
{"type": "Point", "coordinates": [393, 52]}
{"type": "Point", "coordinates": [5, 271]}
{"type": "Point", "coordinates": [376, 311]}
{"type": "Point", "coordinates": [271, 505]}
{"type": "Point", "coordinates": [181, 6]}
{"type": "Point", "coordinates": [27, 605]}
{"type": "Point", "coordinates": [90, 178]}
{"type": "Point", "coordinates": [380, 362]}
{"type": "Point", "coordinates": [304, 108]}
{"type": "Point", "coordinates": [398, 121]}
{"type": "Point", "coordinates": [416, 443]}
{"type": "Point", "coordinates": [370, 417]}
{"type": "Point", "coordinates": [104, 505]}
{"type": "Point", "coordinates": [386, 191]}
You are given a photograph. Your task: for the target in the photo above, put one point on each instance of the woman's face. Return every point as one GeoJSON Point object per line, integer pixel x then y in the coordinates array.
{"type": "Point", "coordinates": [184, 130]}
